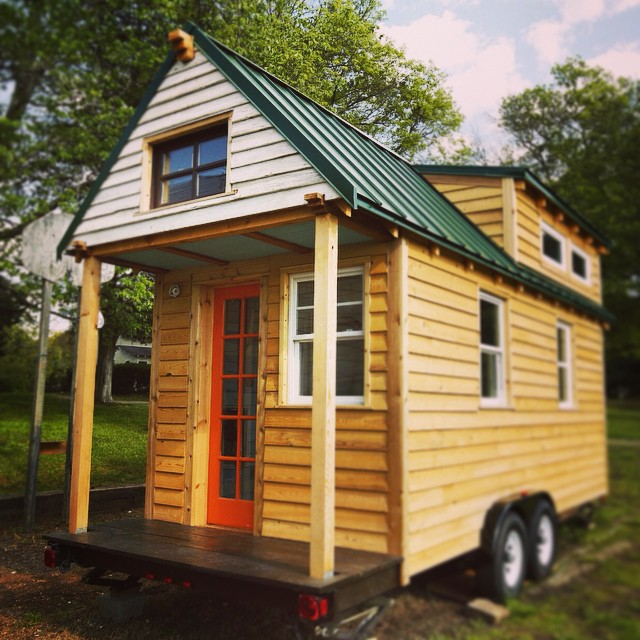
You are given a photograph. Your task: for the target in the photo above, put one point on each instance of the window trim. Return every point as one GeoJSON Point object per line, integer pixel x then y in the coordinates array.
{"type": "Point", "coordinates": [149, 143]}
{"type": "Point", "coordinates": [501, 398]}
{"type": "Point", "coordinates": [549, 230]}
{"type": "Point", "coordinates": [568, 402]}
{"type": "Point", "coordinates": [290, 390]}
{"type": "Point", "coordinates": [587, 260]}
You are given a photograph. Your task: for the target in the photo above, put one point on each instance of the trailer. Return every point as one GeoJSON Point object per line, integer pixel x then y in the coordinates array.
{"type": "Point", "coordinates": [374, 366]}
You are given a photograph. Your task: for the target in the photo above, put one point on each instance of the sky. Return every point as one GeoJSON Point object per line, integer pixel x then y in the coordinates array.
{"type": "Point", "coordinates": [490, 49]}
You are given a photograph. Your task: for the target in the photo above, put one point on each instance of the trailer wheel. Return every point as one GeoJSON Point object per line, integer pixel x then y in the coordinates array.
{"type": "Point", "coordinates": [543, 540]}
{"type": "Point", "coordinates": [502, 575]}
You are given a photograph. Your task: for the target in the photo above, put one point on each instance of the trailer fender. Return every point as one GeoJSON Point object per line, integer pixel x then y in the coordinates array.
{"type": "Point", "coordinates": [522, 504]}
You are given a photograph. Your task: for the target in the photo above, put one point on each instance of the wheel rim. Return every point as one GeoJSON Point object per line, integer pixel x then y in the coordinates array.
{"type": "Point", "coordinates": [513, 561]}
{"type": "Point", "coordinates": [545, 541]}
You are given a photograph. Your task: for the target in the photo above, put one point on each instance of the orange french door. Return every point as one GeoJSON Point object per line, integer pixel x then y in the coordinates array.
{"type": "Point", "coordinates": [232, 449]}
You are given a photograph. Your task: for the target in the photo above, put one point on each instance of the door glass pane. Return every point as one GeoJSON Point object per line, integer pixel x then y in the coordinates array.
{"type": "Point", "coordinates": [306, 368]}
{"type": "Point", "coordinates": [212, 181]}
{"type": "Point", "coordinates": [252, 315]}
{"type": "Point", "coordinates": [249, 397]}
{"type": "Point", "coordinates": [489, 371]}
{"type": "Point", "coordinates": [177, 160]}
{"type": "Point", "coordinates": [176, 190]}
{"type": "Point", "coordinates": [231, 357]}
{"type": "Point", "coordinates": [213, 150]}
{"type": "Point", "coordinates": [227, 479]}
{"type": "Point", "coordinates": [350, 368]}
{"type": "Point", "coordinates": [232, 317]}
{"type": "Point", "coordinates": [250, 364]}
{"type": "Point", "coordinates": [229, 438]}
{"type": "Point", "coordinates": [247, 475]}
{"type": "Point", "coordinates": [230, 397]}
{"type": "Point", "coordinates": [248, 439]}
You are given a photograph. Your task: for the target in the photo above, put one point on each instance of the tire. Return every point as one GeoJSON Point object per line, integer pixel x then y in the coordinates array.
{"type": "Point", "coordinates": [502, 575]}
{"type": "Point", "coordinates": [543, 528]}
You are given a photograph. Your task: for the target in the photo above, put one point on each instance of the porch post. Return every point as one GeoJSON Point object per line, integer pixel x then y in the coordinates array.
{"type": "Point", "coordinates": [87, 358]}
{"type": "Point", "coordinates": [323, 408]}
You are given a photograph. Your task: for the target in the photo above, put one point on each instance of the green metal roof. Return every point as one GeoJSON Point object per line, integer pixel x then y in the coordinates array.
{"type": "Point", "coordinates": [520, 173]}
{"type": "Point", "coordinates": [365, 173]}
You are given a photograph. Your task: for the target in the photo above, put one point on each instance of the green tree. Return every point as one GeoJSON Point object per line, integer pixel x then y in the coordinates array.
{"type": "Point", "coordinates": [582, 134]}
{"type": "Point", "coordinates": [76, 70]}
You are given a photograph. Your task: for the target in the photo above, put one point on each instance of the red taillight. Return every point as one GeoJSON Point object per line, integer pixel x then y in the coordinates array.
{"type": "Point", "coordinates": [167, 580]}
{"type": "Point", "coordinates": [50, 558]}
{"type": "Point", "coordinates": [312, 607]}
{"type": "Point", "coordinates": [150, 576]}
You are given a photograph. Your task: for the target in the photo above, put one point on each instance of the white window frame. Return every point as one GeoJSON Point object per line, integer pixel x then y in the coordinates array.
{"type": "Point", "coordinates": [549, 230]}
{"type": "Point", "coordinates": [501, 398]}
{"type": "Point", "coordinates": [564, 329]}
{"type": "Point", "coordinates": [587, 260]}
{"type": "Point", "coordinates": [294, 341]}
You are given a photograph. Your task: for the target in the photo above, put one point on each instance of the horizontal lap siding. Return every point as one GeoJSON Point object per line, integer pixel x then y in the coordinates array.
{"type": "Point", "coordinates": [361, 436]}
{"type": "Point", "coordinates": [264, 169]}
{"type": "Point", "coordinates": [171, 405]}
{"type": "Point", "coordinates": [462, 458]}
{"type": "Point", "coordinates": [481, 203]}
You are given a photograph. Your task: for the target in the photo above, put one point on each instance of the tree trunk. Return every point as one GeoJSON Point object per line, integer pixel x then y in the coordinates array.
{"type": "Point", "coordinates": [106, 354]}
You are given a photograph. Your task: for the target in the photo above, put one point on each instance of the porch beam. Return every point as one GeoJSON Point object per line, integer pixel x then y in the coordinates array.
{"type": "Point", "coordinates": [87, 359]}
{"type": "Point", "coordinates": [323, 407]}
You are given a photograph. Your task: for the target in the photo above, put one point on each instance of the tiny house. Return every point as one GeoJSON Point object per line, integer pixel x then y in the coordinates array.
{"type": "Point", "coordinates": [356, 356]}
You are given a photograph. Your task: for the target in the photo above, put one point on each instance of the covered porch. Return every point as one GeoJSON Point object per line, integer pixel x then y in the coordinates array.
{"type": "Point", "coordinates": [320, 229]}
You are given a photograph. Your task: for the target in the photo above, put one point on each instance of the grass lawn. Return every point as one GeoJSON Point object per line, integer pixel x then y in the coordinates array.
{"type": "Point", "coordinates": [119, 443]}
{"type": "Point", "coordinates": [624, 419]}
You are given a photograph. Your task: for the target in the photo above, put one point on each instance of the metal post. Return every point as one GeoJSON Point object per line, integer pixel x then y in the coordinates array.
{"type": "Point", "coordinates": [38, 405]}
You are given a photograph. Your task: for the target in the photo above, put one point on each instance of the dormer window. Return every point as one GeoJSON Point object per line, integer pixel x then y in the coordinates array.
{"type": "Point", "coordinates": [580, 264]}
{"type": "Point", "coordinates": [552, 245]}
{"type": "Point", "coordinates": [190, 167]}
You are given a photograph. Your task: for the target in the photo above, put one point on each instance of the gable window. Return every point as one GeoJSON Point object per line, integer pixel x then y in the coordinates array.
{"type": "Point", "coordinates": [552, 245]}
{"type": "Point", "coordinates": [190, 167]}
{"type": "Point", "coordinates": [565, 371]}
{"type": "Point", "coordinates": [350, 337]}
{"type": "Point", "coordinates": [580, 264]}
{"type": "Point", "coordinates": [492, 378]}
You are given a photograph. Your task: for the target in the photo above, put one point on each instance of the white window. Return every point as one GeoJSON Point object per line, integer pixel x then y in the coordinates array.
{"type": "Point", "coordinates": [350, 337]}
{"type": "Point", "coordinates": [492, 378]}
{"type": "Point", "coordinates": [552, 245]}
{"type": "Point", "coordinates": [580, 264]}
{"type": "Point", "coordinates": [565, 369]}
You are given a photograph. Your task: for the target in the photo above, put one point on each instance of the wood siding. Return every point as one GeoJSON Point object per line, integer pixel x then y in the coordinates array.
{"type": "Point", "coordinates": [362, 464]}
{"type": "Point", "coordinates": [265, 172]}
{"type": "Point", "coordinates": [463, 458]}
{"type": "Point", "coordinates": [479, 198]}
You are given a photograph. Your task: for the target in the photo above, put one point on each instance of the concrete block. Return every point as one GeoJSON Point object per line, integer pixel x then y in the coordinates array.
{"type": "Point", "coordinates": [121, 605]}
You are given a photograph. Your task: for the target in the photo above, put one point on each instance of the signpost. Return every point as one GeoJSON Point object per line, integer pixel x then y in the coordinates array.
{"type": "Point", "coordinates": [39, 242]}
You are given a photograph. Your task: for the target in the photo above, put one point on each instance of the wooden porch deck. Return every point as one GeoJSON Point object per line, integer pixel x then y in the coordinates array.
{"type": "Point", "coordinates": [231, 563]}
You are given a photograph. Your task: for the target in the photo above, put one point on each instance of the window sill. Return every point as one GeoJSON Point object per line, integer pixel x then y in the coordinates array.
{"type": "Point", "coordinates": [188, 205]}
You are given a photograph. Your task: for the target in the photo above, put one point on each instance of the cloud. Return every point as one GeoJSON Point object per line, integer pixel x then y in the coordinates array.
{"type": "Point", "coordinates": [573, 11]}
{"type": "Point", "coordinates": [621, 60]}
{"type": "Point", "coordinates": [480, 70]}
{"type": "Point", "coordinates": [549, 39]}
